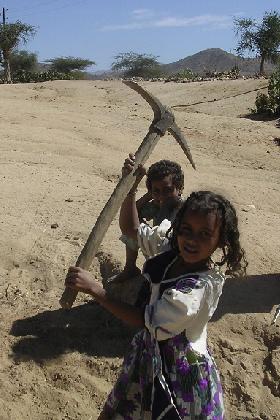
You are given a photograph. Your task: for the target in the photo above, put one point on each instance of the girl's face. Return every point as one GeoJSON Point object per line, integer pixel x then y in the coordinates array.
{"type": "Point", "coordinates": [198, 236]}
{"type": "Point", "coordinates": [164, 190]}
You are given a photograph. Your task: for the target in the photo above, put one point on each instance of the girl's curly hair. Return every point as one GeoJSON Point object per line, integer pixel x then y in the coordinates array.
{"type": "Point", "coordinates": [159, 170]}
{"type": "Point", "coordinates": [206, 202]}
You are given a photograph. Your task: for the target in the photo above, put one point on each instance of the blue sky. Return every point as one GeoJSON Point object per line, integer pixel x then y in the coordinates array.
{"type": "Point", "coordinates": [99, 30]}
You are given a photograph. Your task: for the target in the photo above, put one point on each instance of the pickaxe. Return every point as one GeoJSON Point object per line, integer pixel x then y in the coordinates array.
{"type": "Point", "coordinates": [163, 121]}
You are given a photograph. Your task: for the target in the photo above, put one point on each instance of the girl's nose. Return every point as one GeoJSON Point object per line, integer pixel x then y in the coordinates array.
{"type": "Point", "coordinates": [191, 240]}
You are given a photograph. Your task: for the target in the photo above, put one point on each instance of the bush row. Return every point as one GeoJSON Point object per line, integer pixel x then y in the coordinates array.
{"type": "Point", "coordinates": [23, 76]}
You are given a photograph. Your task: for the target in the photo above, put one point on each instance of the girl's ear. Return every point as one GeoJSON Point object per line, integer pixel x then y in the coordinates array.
{"type": "Point", "coordinates": [223, 243]}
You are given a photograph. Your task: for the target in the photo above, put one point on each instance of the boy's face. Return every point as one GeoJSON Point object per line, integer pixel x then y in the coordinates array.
{"type": "Point", "coordinates": [164, 191]}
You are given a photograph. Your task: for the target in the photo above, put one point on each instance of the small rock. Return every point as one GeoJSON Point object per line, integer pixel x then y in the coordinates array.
{"type": "Point", "coordinates": [249, 207]}
{"type": "Point", "coordinates": [243, 365]}
{"type": "Point", "coordinates": [69, 200]}
{"type": "Point", "coordinates": [57, 376]}
{"type": "Point", "coordinates": [54, 225]}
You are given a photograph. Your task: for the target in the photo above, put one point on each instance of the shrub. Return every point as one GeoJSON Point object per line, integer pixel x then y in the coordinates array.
{"type": "Point", "coordinates": [270, 104]}
{"type": "Point", "coordinates": [186, 74]}
{"type": "Point", "coordinates": [227, 74]}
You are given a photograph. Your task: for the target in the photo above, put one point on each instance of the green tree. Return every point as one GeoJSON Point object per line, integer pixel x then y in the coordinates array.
{"type": "Point", "coordinates": [133, 64]}
{"type": "Point", "coordinates": [23, 61]}
{"type": "Point", "coordinates": [11, 35]}
{"type": "Point", "coordinates": [261, 38]}
{"type": "Point", "coordinates": [69, 64]}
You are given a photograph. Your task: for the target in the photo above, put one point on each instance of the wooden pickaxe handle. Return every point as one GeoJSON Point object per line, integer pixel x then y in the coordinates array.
{"type": "Point", "coordinates": [108, 213]}
{"type": "Point", "coordinates": [163, 121]}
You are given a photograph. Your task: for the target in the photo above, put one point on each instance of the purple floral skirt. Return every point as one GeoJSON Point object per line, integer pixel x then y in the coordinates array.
{"type": "Point", "coordinates": [166, 380]}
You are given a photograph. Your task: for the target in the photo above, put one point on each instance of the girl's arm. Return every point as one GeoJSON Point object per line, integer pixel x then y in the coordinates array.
{"type": "Point", "coordinates": [80, 280]}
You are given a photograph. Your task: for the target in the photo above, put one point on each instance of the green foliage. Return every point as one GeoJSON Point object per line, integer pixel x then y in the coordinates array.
{"type": "Point", "coordinates": [260, 38]}
{"type": "Point", "coordinates": [11, 35]}
{"type": "Point", "coordinates": [227, 74]}
{"type": "Point", "coordinates": [78, 75]}
{"type": "Point", "coordinates": [270, 104]}
{"type": "Point", "coordinates": [23, 60]}
{"type": "Point", "coordinates": [22, 76]}
{"type": "Point", "coordinates": [69, 64]}
{"type": "Point", "coordinates": [137, 65]}
{"type": "Point", "coordinates": [186, 74]}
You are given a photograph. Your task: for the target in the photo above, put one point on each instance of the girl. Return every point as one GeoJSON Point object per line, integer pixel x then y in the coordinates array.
{"type": "Point", "coordinates": [168, 372]}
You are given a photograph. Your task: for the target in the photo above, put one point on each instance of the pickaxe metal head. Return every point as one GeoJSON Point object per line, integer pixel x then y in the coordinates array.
{"type": "Point", "coordinates": [164, 119]}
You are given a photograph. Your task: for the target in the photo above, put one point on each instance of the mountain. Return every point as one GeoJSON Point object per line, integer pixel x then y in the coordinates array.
{"type": "Point", "coordinates": [215, 59]}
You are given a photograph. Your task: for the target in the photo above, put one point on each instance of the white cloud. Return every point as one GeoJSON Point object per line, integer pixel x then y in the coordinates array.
{"type": "Point", "coordinates": [123, 27]}
{"type": "Point", "coordinates": [142, 13]}
{"type": "Point", "coordinates": [194, 21]}
{"type": "Point", "coordinates": [143, 19]}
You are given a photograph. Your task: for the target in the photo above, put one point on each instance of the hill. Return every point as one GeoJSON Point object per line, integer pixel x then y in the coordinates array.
{"type": "Point", "coordinates": [215, 59]}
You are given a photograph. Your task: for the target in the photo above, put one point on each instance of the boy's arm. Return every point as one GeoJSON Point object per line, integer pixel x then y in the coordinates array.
{"type": "Point", "coordinates": [129, 219]}
{"type": "Point", "coordinates": [146, 198]}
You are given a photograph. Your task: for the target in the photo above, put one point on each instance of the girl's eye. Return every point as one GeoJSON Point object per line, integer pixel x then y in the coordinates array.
{"type": "Point", "coordinates": [185, 231]}
{"type": "Point", "coordinates": [205, 235]}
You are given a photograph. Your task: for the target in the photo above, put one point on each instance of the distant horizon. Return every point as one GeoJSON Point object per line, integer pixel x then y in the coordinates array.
{"type": "Point", "coordinates": [206, 49]}
{"type": "Point", "coordinates": [99, 31]}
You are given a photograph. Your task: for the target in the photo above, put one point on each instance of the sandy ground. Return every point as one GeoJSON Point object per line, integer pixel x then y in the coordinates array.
{"type": "Point", "coordinates": [62, 146]}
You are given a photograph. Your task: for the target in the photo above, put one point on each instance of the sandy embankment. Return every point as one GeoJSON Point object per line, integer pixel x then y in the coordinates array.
{"type": "Point", "coordinates": [62, 146]}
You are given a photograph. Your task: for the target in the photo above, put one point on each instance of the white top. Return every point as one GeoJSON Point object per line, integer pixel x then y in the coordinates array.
{"type": "Point", "coordinates": [153, 241]}
{"type": "Point", "coordinates": [186, 306]}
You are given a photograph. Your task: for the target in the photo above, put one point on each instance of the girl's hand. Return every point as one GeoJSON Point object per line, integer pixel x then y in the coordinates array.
{"type": "Point", "coordinates": [81, 280]}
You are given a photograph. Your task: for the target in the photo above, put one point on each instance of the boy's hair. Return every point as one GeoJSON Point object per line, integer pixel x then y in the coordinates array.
{"type": "Point", "coordinates": [159, 170]}
{"type": "Point", "coordinates": [205, 202]}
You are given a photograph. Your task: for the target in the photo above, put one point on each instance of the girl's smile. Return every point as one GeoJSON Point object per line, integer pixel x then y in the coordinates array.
{"type": "Point", "coordinates": [198, 236]}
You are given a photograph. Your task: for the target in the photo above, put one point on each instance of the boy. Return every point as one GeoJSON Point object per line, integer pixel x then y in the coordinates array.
{"type": "Point", "coordinates": [165, 183]}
